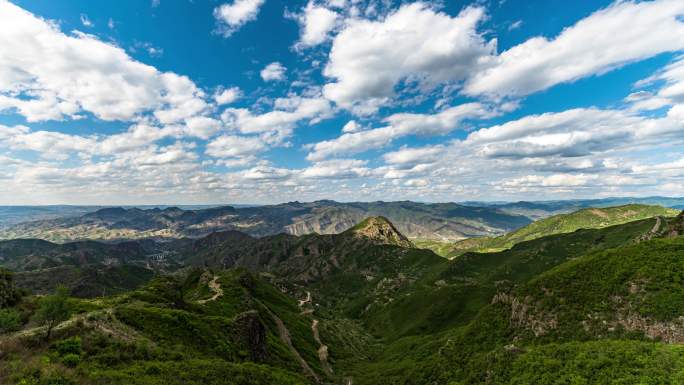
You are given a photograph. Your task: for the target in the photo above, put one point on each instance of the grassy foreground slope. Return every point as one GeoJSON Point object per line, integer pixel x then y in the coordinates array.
{"type": "Point", "coordinates": [229, 328]}
{"type": "Point", "coordinates": [589, 218]}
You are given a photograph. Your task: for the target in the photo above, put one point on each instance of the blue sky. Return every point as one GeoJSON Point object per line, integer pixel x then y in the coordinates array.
{"type": "Point", "coordinates": [262, 101]}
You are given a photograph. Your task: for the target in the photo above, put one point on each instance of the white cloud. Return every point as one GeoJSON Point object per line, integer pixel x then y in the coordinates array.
{"type": "Point", "coordinates": [137, 136]}
{"type": "Point", "coordinates": [233, 16]}
{"type": "Point", "coordinates": [624, 32]}
{"type": "Point", "coordinates": [278, 123]}
{"type": "Point", "coordinates": [515, 25]}
{"type": "Point", "coordinates": [336, 168]}
{"type": "Point", "coordinates": [351, 126]}
{"type": "Point", "coordinates": [316, 22]}
{"type": "Point", "coordinates": [149, 48]}
{"type": "Point", "coordinates": [267, 173]}
{"type": "Point", "coordinates": [273, 72]}
{"type": "Point", "coordinates": [227, 96]}
{"type": "Point", "coordinates": [399, 125]}
{"type": "Point", "coordinates": [669, 90]}
{"type": "Point", "coordinates": [369, 59]}
{"type": "Point", "coordinates": [231, 146]}
{"type": "Point", "coordinates": [202, 126]}
{"type": "Point", "coordinates": [414, 155]}
{"type": "Point", "coordinates": [50, 144]}
{"type": "Point", "coordinates": [48, 75]}
{"type": "Point", "coordinates": [86, 21]}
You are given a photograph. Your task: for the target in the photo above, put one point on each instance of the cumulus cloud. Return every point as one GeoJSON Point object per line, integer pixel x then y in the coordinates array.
{"type": "Point", "coordinates": [232, 16]}
{"type": "Point", "coordinates": [48, 75]}
{"type": "Point", "coordinates": [624, 32]}
{"type": "Point", "coordinates": [278, 123]}
{"type": "Point", "coordinates": [202, 126]}
{"type": "Point", "coordinates": [412, 156]}
{"type": "Point", "coordinates": [273, 72]}
{"type": "Point", "coordinates": [370, 58]}
{"type": "Point", "coordinates": [227, 96]}
{"type": "Point", "coordinates": [351, 126]}
{"type": "Point", "coordinates": [399, 125]}
{"type": "Point", "coordinates": [315, 22]}
{"type": "Point", "coordinates": [57, 145]}
{"type": "Point", "coordinates": [233, 146]}
{"type": "Point", "coordinates": [336, 168]}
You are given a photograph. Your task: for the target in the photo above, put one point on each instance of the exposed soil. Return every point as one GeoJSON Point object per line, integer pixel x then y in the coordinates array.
{"type": "Point", "coordinates": [215, 286]}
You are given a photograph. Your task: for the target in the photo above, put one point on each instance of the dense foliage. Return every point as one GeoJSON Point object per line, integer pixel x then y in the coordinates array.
{"type": "Point", "coordinates": [591, 306]}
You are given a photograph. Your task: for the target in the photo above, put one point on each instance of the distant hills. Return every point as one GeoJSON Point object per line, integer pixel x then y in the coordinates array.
{"type": "Point", "coordinates": [590, 218]}
{"type": "Point", "coordinates": [542, 209]}
{"type": "Point", "coordinates": [426, 221]}
{"type": "Point", "coordinates": [415, 220]}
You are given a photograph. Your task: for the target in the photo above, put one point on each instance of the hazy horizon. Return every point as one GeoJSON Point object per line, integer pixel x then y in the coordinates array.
{"type": "Point", "coordinates": [200, 205]}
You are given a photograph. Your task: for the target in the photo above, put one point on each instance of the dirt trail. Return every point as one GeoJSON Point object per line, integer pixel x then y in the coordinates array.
{"type": "Point", "coordinates": [654, 232]}
{"type": "Point", "coordinates": [322, 349]}
{"type": "Point", "coordinates": [656, 226]}
{"type": "Point", "coordinates": [303, 302]}
{"type": "Point", "coordinates": [285, 337]}
{"type": "Point", "coordinates": [215, 286]}
{"type": "Point", "coordinates": [103, 320]}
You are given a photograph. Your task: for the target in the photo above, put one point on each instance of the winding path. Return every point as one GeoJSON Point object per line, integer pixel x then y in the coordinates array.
{"type": "Point", "coordinates": [285, 337]}
{"type": "Point", "coordinates": [322, 349]}
{"type": "Point", "coordinates": [215, 286]}
{"type": "Point", "coordinates": [656, 226]}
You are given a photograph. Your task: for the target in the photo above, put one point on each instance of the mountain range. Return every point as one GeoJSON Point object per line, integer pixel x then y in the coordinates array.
{"type": "Point", "coordinates": [592, 296]}
{"type": "Point", "coordinates": [416, 220]}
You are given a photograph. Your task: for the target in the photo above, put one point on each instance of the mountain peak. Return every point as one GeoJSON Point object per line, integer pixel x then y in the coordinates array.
{"type": "Point", "coordinates": [380, 229]}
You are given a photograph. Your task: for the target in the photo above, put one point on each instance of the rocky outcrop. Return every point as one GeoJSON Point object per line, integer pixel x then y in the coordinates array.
{"type": "Point", "coordinates": [524, 315]}
{"type": "Point", "coordinates": [381, 231]}
{"type": "Point", "coordinates": [253, 334]}
{"type": "Point", "coordinates": [676, 227]}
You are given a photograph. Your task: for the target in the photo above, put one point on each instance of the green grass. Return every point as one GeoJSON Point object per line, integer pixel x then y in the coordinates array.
{"type": "Point", "coordinates": [590, 218]}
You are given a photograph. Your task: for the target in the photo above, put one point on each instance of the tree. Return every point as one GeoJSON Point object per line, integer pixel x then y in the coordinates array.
{"type": "Point", "coordinates": [53, 309]}
{"type": "Point", "coordinates": [9, 295]}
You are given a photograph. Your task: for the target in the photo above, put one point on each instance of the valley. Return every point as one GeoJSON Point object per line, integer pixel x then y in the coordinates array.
{"type": "Point", "coordinates": [362, 306]}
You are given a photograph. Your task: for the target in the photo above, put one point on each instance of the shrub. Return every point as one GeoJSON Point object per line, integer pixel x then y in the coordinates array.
{"type": "Point", "coordinates": [10, 320]}
{"type": "Point", "coordinates": [71, 360]}
{"type": "Point", "coordinates": [69, 346]}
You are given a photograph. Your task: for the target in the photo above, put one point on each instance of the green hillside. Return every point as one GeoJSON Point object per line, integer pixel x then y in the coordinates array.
{"type": "Point", "coordinates": [611, 316]}
{"type": "Point", "coordinates": [589, 218]}
{"type": "Point", "coordinates": [365, 307]}
{"type": "Point", "coordinates": [230, 328]}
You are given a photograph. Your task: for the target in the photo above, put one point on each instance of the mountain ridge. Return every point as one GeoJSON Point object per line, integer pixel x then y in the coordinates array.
{"type": "Point", "coordinates": [444, 221]}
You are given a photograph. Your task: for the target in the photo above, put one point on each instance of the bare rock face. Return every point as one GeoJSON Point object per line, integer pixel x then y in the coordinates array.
{"type": "Point", "coordinates": [381, 231]}
{"type": "Point", "coordinates": [676, 228]}
{"type": "Point", "coordinates": [253, 334]}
